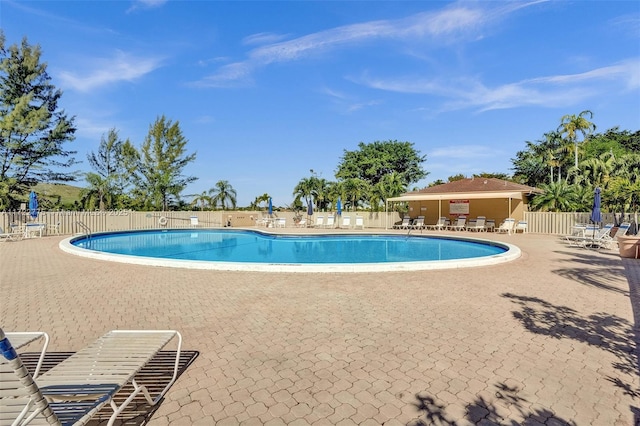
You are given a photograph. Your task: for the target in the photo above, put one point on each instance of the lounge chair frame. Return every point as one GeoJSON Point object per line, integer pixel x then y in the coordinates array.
{"type": "Point", "coordinates": [87, 380]}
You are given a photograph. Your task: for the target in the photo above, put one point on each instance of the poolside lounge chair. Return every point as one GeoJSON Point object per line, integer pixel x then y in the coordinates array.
{"type": "Point", "coordinates": [302, 223]}
{"type": "Point", "coordinates": [359, 222]}
{"type": "Point", "coordinates": [281, 222]}
{"type": "Point", "coordinates": [418, 223]}
{"type": "Point", "coordinates": [521, 226]}
{"type": "Point", "coordinates": [608, 240]}
{"type": "Point", "coordinates": [591, 239]}
{"type": "Point", "coordinates": [478, 225]}
{"type": "Point", "coordinates": [506, 226]}
{"type": "Point", "coordinates": [11, 236]}
{"type": "Point", "coordinates": [440, 224]}
{"type": "Point", "coordinates": [346, 222]}
{"type": "Point", "coordinates": [73, 391]}
{"type": "Point", "coordinates": [490, 225]}
{"type": "Point", "coordinates": [331, 220]}
{"type": "Point", "coordinates": [320, 221]}
{"type": "Point", "coordinates": [459, 225]}
{"type": "Point", "coordinates": [406, 223]}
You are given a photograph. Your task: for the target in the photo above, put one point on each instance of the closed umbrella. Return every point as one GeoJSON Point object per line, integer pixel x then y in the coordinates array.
{"type": "Point", "coordinates": [339, 207]}
{"type": "Point", "coordinates": [310, 209]}
{"type": "Point", "coordinates": [270, 207]}
{"type": "Point", "coordinates": [596, 216]}
{"type": "Point", "coordinates": [33, 204]}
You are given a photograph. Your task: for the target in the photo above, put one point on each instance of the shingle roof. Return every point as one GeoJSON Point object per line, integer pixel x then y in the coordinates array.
{"type": "Point", "coordinates": [477, 184]}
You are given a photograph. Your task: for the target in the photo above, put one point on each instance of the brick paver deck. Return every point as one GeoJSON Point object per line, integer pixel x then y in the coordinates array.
{"type": "Point", "coordinates": [546, 339]}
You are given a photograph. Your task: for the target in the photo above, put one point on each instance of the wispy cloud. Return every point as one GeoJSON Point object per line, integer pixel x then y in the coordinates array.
{"type": "Point", "coordinates": [559, 90]}
{"type": "Point", "coordinates": [459, 21]}
{"type": "Point", "coordinates": [462, 151]}
{"type": "Point", "coordinates": [145, 4]}
{"type": "Point", "coordinates": [106, 71]}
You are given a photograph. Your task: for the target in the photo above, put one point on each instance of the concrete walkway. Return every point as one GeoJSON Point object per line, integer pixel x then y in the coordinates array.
{"type": "Point", "coordinates": [546, 339]}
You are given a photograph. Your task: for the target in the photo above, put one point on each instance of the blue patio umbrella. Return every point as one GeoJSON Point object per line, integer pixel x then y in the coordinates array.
{"type": "Point", "coordinates": [309, 208]}
{"type": "Point", "coordinates": [270, 207]}
{"type": "Point", "coordinates": [339, 207]}
{"type": "Point", "coordinates": [33, 204]}
{"type": "Point", "coordinates": [596, 216]}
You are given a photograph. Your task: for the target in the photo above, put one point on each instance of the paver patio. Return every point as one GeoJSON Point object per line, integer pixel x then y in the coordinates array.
{"type": "Point", "coordinates": [546, 339]}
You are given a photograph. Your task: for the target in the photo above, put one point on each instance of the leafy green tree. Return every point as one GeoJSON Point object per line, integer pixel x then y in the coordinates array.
{"type": "Point", "coordinates": [390, 186]}
{"type": "Point", "coordinates": [454, 178]}
{"type": "Point", "coordinates": [572, 124]}
{"type": "Point", "coordinates": [371, 162]}
{"type": "Point", "coordinates": [224, 195]}
{"type": "Point", "coordinates": [107, 181]}
{"type": "Point", "coordinates": [33, 130]}
{"type": "Point", "coordinates": [156, 170]}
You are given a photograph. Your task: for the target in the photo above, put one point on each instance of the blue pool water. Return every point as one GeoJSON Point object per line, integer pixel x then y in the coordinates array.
{"type": "Point", "coordinates": [246, 246]}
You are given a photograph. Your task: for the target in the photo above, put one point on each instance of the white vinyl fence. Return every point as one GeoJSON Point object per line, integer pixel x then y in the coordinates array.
{"type": "Point", "coordinates": [80, 222]}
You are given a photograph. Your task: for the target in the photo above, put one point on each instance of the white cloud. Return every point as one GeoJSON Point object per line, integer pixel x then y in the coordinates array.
{"type": "Point", "coordinates": [105, 71]}
{"type": "Point", "coordinates": [445, 26]}
{"type": "Point", "coordinates": [146, 4]}
{"type": "Point", "coordinates": [462, 151]}
{"type": "Point", "coordinates": [558, 90]}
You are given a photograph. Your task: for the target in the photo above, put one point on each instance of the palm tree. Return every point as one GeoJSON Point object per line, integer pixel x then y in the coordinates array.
{"type": "Point", "coordinates": [355, 189]}
{"type": "Point", "coordinates": [572, 124]}
{"type": "Point", "coordinates": [203, 199]}
{"type": "Point", "coordinates": [305, 189]}
{"type": "Point", "coordinates": [557, 197]}
{"type": "Point", "coordinates": [222, 193]}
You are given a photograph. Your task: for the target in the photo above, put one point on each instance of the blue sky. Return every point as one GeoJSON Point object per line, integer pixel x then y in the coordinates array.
{"type": "Point", "coordinates": [266, 91]}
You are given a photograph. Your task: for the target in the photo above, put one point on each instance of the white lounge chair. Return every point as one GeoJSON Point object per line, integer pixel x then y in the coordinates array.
{"type": "Point", "coordinates": [11, 236]}
{"type": "Point", "coordinates": [346, 222]}
{"type": "Point", "coordinates": [359, 222]}
{"type": "Point", "coordinates": [459, 225]}
{"type": "Point", "coordinates": [418, 223]}
{"type": "Point", "coordinates": [478, 225]}
{"type": "Point", "coordinates": [83, 383]}
{"type": "Point", "coordinates": [440, 224]}
{"type": "Point", "coordinates": [331, 220]}
{"type": "Point", "coordinates": [521, 226]}
{"type": "Point", "coordinates": [319, 221]}
{"type": "Point", "coordinates": [406, 223]}
{"type": "Point", "coordinates": [302, 223]}
{"type": "Point", "coordinates": [506, 226]}
{"type": "Point", "coordinates": [591, 239]}
{"type": "Point", "coordinates": [281, 222]}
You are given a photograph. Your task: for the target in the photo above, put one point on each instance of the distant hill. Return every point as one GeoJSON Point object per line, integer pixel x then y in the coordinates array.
{"type": "Point", "coordinates": [68, 194]}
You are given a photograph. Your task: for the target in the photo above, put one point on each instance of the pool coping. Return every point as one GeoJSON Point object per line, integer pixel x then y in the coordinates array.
{"type": "Point", "coordinates": [513, 252]}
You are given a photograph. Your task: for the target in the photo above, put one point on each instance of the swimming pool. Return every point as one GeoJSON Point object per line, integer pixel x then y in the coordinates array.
{"type": "Point", "coordinates": [260, 251]}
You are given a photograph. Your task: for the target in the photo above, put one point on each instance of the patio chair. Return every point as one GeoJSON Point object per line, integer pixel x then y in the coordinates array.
{"type": "Point", "coordinates": [591, 239]}
{"type": "Point", "coordinates": [418, 223]}
{"type": "Point", "coordinates": [459, 225]}
{"type": "Point", "coordinates": [406, 223]}
{"type": "Point", "coordinates": [479, 225]}
{"type": "Point", "coordinates": [331, 220]}
{"type": "Point", "coordinates": [521, 226]}
{"type": "Point", "coordinates": [320, 221]}
{"type": "Point", "coordinates": [359, 222]}
{"type": "Point", "coordinates": [302, 223]}
{"type": "Point", "coordinates": [346, 222]}
{"type": "Point", "coordinates": [506, 226]}
{"type": "Point", "coordinates": [73, 391]}
{"type": "Point", "coordinates": [11, 236]}
{"type": "Point", "coordinates": [281, 222]}
{"type": "Point", "coordinates": [440, 224]}
{"type": "Point", "coordinates": [490, 225]}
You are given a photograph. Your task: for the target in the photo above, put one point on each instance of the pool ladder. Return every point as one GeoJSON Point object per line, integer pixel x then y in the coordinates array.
{"type": "Point", "coordinates": [84, 228]}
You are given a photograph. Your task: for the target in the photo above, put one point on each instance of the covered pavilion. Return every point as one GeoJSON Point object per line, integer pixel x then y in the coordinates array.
{"type": "Point", "coordinates": [490, 197]}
